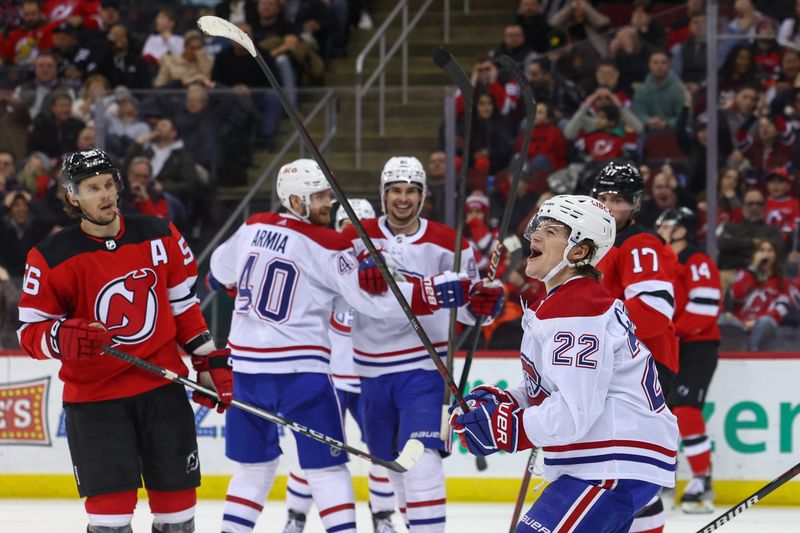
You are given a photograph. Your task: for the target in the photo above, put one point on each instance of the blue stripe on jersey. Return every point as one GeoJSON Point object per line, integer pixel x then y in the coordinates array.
{"type": "Point", "coordinates": [383, 494]}
{"type": "Point", "coordinates": [426, 521]}
{"type": "Point", "coordinates": [611, 457]}
{"type": "Point", "coordinates": [294, 492]}
{"type": "Point", "coordinates": [238, 520]}
{"type": "Point", "coordinates": [342, 527]}
{"type": "Point", "coordinates": [279, 359]}
{"type": "Point", "coordinates": [393, 363]}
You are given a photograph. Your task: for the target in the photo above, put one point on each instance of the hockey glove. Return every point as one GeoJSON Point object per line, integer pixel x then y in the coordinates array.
{"type": "Point", "coordinates": [76, 338]}
{"type": "Point", "coordinates": [214, 371]}
{"type": "Point", "coordinates": [446, 290]}
{"type": "Point", "coordinates": [486, 299]}
{"type": "Point", "coordinates": [369, 275]}
{"type": "Point", "coordinates": [489, 393]}
{"type": "Point", "coordinates": [491, 427]}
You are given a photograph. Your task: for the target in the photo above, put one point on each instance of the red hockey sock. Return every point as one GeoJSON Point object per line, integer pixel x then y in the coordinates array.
{"type": "Point", "coordinates": [696, 444]}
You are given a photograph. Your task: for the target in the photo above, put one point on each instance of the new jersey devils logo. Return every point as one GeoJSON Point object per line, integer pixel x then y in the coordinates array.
{"type": "Point", "coordinates": [128, 306]}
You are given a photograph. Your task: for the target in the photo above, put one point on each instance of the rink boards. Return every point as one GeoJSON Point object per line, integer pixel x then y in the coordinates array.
{"type": "Point", "coordinates": [752, 415]}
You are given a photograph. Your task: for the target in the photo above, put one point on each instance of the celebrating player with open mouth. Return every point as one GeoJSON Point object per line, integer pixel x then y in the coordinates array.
{"type": "Point", "coordinates": [590, 397]}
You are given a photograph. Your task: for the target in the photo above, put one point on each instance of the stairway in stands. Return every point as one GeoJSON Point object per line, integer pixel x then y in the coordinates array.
{"type": "Point", "coordinates": [411, 129]}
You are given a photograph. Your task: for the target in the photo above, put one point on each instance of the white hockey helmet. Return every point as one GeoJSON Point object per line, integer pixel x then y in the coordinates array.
{"type": "Point", "coordinates": [586, 218]}
{"type": "Point", "coordinates": [300, 178]}
{"type": "Point", "coordinates": [405, 169]}
{"type": "Point", "coordinates": [362, 208]}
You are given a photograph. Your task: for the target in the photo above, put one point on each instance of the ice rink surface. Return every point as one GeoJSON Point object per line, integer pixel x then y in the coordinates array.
{"type": "Point", "coordinates": [66, 516]}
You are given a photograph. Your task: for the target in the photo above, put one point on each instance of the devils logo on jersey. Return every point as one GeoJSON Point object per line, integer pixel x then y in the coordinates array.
{"type": "Point", "coordinates": [128, 306]}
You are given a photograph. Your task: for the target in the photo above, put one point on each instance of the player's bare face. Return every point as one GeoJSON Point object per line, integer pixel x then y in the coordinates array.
{"type": "Point", "coordinates": [548, 241]}
{"type": "Point", "coordinates": [97, 198]}
{"type": "Point", "coordinates": [620, 207]}
{"type": "Point", "coordinates": [402, 203]}
{"type": "Point", "coordinates": [320, 208]}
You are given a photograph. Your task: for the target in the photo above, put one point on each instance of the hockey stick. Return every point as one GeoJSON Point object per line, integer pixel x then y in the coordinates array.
{"type": "Point", "coordinates": [503, 241]}
{"type": "Point", "coordinates": [408, 457]}
{"type": "Point", "coordinates": [759, 495]}
{"type": "Point", "coordinates": [523, 490]}
{"type": "Point", "coordinates": [218, 27]}
{"type": "Point", "coordinates": [445, 61]}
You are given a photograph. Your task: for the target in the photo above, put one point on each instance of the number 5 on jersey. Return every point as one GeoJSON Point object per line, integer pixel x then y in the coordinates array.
{"type": "Point", "coordinates": [274, 292]}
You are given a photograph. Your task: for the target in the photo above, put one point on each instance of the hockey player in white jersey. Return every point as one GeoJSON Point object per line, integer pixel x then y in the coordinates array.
{"type": "Point", "coordinates": [590, 398]}
{"type": "Point", "coordinates": [400, 390]}
{"type": "Point", "coordinates": [286, 270]}
{"type": "Point", "coordinates": [348, 390]}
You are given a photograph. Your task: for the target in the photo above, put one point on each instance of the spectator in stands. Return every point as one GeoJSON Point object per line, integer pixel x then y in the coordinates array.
{"type": "Point", "coordinates": [9, 310]}
{"type": "Point", "coordinates": [607, 75]}
{"type": "Point", "coordinates": [27, 41]}
{"type": "Point", "coordinates": [766, 53]}
{"type": "Point", "coordinates": [741, 109]}
{"type": "Point", "coordinates": [146, 194]}
{"type": "Point", "coordinates": [95, 89]}
{"type": "Point", "coordinates": [761, 297]}
{"type": "Point", "coordinates": [164, 41]}
{"type": "Point", "coordinates": [192, 65]}
{"type": "Point", "coordinates": [14, 124]}
{"type": "Point", "coordinates": [731, 187]}
{"type": "Point", "coordinates": [744, 21]}
{"type": "Point", "coordinates": [787, 77]}
{"type": "Point", "coordinates": [767, 149]}
{"type": "Point", "coordinates": [126, 127]}
{"type": "Point", "coordinates": [479, 235]}
{"type": "Point", "coordinates": [78, 13]}
{"type": "Point", "coordinates": [534, 25]}
{"type": "Point", "coordinates": [490, 141]}
{"type": "Point", "coordinates": [437, 167]}
{"type": "Point", "coordinates": [56, 133]}
{"type": "Point", "coordinates": [87, 138]}
{"type": "Point", "coordinates": [583, 22]}
{"type": "Point", "coordinates": [666, 194]}
{"type": "Point", "coordinates": [75, 61]}
{"type": "Point", "coordinates": [547, 151]}
{"type": "Point", "coordinates": [315, 21]}
{"type": "Point", "coordinates": [197, 126]}
{"type": "Point", "coordinates": [234, 67]}
{"type": "Point", "coordinates": [609, 139]}
{"type": "Point", "coordinates": [513, 44]}
{"type": "Point", "coordinates": [563, 95]}
{"type": "Point", "coordinates": [35, 173]}
{"type": "Point", "coordinates": [650, 33]}
{"type": "Point", "coordinates": [738, 69]}
{"type": "Point", "coordinates": [736, 241]}
{"type": "Point", "coordinates": [236, 11]}
{"type": "Point", "coordinates": [274, 33]}
{"type": "Point", "coordinates": [789, 32]}
{"type": "Point", "coordinates": [783, 210]}
{"type": "Point", "coordinates": [20, 230]}
{"type": "Point", "coordinates": [36, 93]}
{"type": "Point", "coordinates": [8, 167]}
{"type": "Point", "coordinates": [584, 120]}
{"type": "Point", "coordinates": [631, 56]}
{"type": "Point", "coordinates": [484, 78]}
{"type": "Point", "coordinates": [172, 165]}
{"type": "Point", "coordinates": [121, 63]}
{"type": "Point", "coordinates": [658, 101]}
{"type": "Point", "coordinates": [689, 57]}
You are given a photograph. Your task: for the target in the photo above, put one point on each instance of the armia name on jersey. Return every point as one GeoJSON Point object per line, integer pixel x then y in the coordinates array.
{"type": "Point", "coordinates": [269, 240]}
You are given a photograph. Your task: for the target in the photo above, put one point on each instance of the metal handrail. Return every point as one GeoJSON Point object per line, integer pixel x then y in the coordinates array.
{"type": "Point", "coordinates": [328, 103]}
{"type": "Point", "coordinates": [379, 38]}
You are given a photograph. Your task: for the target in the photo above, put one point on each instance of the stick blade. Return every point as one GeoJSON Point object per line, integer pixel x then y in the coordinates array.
{"type": "Point", "coordinates": [441, 56]}
{"type": "Point", "coordinates": [219, 27]}
{"type": "Point", "coordinates": [410, 454]}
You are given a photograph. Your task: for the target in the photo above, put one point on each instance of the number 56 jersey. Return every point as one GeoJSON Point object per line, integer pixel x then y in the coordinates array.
{"type": "Point", "coordinates": [592, 399]}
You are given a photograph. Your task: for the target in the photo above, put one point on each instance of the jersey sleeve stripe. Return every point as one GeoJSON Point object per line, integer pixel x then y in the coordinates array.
{"type": "Point", "coordinates": [705, 292]}
{"type": "Point", "coordinates": [653, 286]}
{"type": "Point", "coordinates": [702, 309]}
{"type": "Point", "coordinates": [181, 306]}
{"type": "Point", "coordinates": [31, 314]}
{"type": "Point", "coordinates": [659, 303]}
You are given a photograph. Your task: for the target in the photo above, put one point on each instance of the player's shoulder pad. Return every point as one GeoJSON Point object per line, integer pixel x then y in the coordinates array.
{"type": "Point", "coordinates": [263, 218]}
{"type": "Point", "coordinates": [636, 235]}
{"type": "Point", "coordinates": [146, 227]}
{"type": "Point", "coordinates": [579, 298]}
{"type": "Point", "coordinates": [441, 235]}
{"type": "Point", "coordinates": [370, 225]}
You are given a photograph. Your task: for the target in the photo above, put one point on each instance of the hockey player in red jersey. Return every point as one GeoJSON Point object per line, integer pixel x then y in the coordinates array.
{"type": "Point", "coordinates": [698, 300]}
{"type": "Point", "coordinates": [128, 283]}
{"type": "Point", "coordinates": [640, 270]}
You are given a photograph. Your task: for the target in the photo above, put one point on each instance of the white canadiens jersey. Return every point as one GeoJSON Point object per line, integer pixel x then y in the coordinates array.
{"type": "Point", "coordinates": [594, 403]}
{"type": "Point", "coordinates": [287, 273]}
{"type": "Point", "coordinates": [343, 370]}
{"type": "Point", "coordinates": [388, 345]}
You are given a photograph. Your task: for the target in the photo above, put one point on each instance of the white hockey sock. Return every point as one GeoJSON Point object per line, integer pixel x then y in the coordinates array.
{"type": "Point", "coordinates": [298, 493]}
{"type": "Point", "coordinates": [400, 493]}
{"type": "Point", "coordinates": [247, 492]}
{"type": "Point", "coordinates": [425, 494]}
{"type": "Point", "coordinates": [381, 495]}
{"type": "Point", "coordinates": [332, 489]}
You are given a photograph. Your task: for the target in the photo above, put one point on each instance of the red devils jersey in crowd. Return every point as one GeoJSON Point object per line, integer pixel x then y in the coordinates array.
{"type": "Point", "coordinates": [698, 297]}
{"type": "Point", "coordinates": [88, 10]}
{"type": "Point", "coordinates": [640, 270]}
{"type": "Point", "coordinates": [783, 213]}
{"type": "Point", "coordinates": [140, 284]}
{"type": "Point", "coordinates": [604, 144]}
{"type": "Point", "coordinates": [755, 298]}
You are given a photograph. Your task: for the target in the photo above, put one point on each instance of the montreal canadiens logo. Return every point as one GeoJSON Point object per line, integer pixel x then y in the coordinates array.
{"type": "Point", "coordinates": [128, 306]}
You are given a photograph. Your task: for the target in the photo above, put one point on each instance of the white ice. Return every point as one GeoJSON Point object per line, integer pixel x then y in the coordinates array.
{"type": "Point", "coordinates": [67, 516]}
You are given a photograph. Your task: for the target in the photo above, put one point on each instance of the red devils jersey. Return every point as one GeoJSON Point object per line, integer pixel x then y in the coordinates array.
{"type": "Point", "coordinates": [140, 284]}
{"type": "Point", "coordinates": [603, 144]}
{"type": "Point", "coordinates": [783, 213]}
{"type": "Point", "coordinates": [755, 298]}
{"type": "Point", "coordinates": [698, 297]}
{"type": "Point", "coordinates": [640, 270]}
